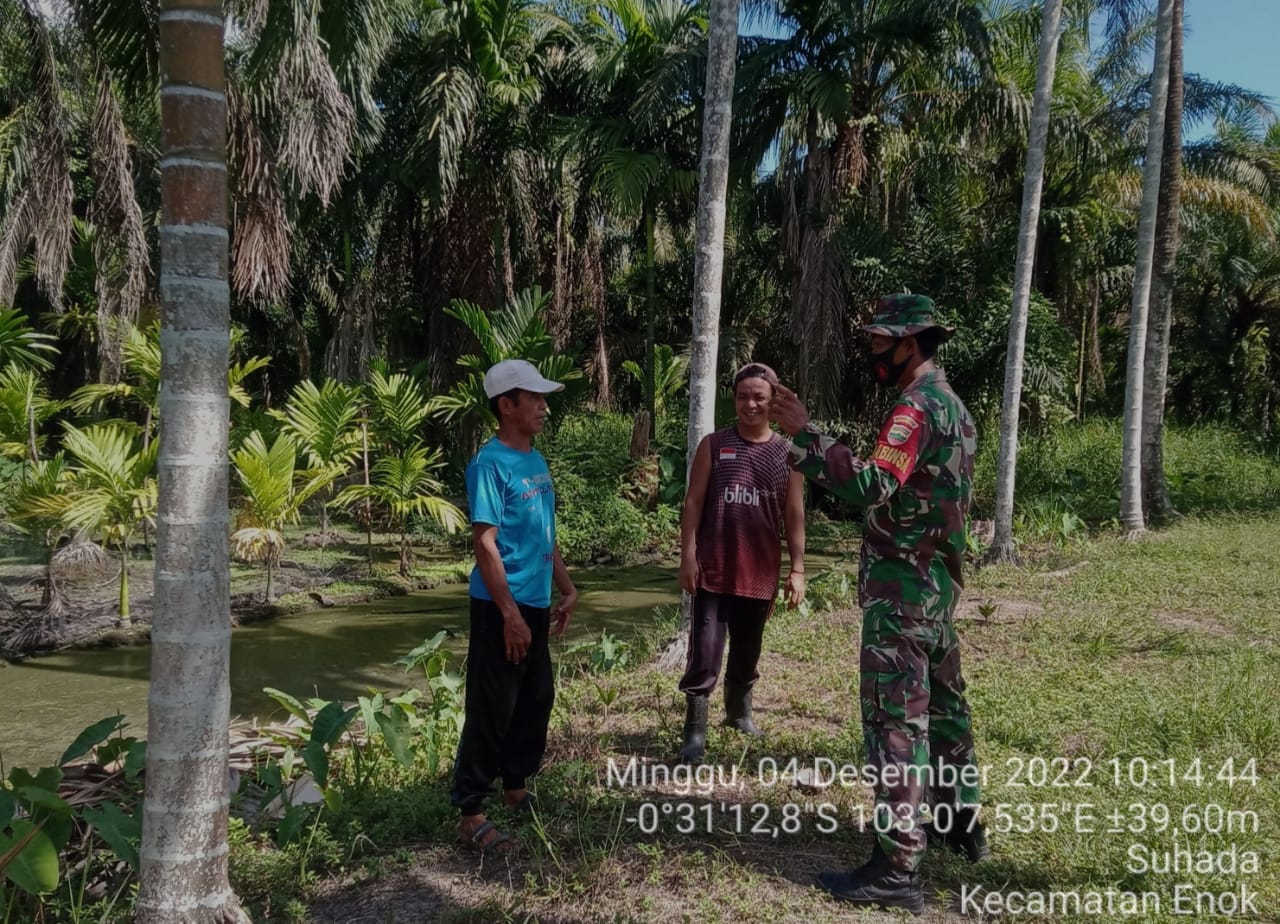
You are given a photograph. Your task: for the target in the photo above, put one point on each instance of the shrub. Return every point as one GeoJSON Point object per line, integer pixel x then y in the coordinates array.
{"type": "Point", "coordinates": [1074, 470]}
{"type": "Point", "coordinates": [594, 522]}
{"type": "Point", "coordinates": [589, 457]}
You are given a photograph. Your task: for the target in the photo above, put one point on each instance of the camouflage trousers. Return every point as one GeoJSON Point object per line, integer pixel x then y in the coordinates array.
{"type": "Point", "coordinates": [915, 719]}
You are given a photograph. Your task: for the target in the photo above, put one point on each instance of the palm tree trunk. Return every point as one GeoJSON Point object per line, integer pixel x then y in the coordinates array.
{"type": "Point", "coordinates": [124, 585]}
{"type": "Point", "coordinates": [508, 266]}
{"type": "Point", "coordinates": [1002, 547]}
{"type": "Point", "coordinates": [33, 448]}
{"type": "Point", "coordinates": [1130, 466]}
{"type": "Point", "coordinates": [146, 444]}
{"type": "Point", "coordinates": [270, 573]}
{"type": "Point", "coordinates": [1155, 489]}
{"type": "Point", "coordinates": [708, 265]}
{"type": "Point", "coordinates": [184, 826]}
{"type": "Point", "coordinates": [1081, 366]}
{"type": "Point", "coordinates": [368, 504]}
{"type": "Point", "coordinates": [406, 555]}
{"type": "Point", "coordinates": [650, 394]}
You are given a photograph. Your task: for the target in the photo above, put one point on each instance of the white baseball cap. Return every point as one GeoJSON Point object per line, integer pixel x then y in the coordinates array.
{"type": "Point", "coordinates": [517, 373]}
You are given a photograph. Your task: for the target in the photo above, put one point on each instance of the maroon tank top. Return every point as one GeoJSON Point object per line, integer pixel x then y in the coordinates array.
{"type": "Point", "coordinates": [739, 549]}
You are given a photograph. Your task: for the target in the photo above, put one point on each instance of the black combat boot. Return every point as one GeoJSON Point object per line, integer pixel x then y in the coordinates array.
{"type": "Point", "coordinates": [737, 710]}
{"type": "Point", "coordinates": [695, 729]}
{"type": "Point", "coordinates": [876, 883]}
{"type": "Point", "coordinates": [967, 836]}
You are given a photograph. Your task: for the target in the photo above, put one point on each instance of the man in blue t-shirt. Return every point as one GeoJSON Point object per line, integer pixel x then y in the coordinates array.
{"type": "Point", "coordinates": [510, 684]}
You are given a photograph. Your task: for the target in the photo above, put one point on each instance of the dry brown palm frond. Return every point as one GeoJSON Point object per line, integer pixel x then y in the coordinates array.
{"type": "Point", "coordinates": [82, 557]}
{"type": "Point", "coordinates": [122, 240]}
{"type": "Point", "coordinates": [260, 242]}
{"type": "Point", "coordinates": [50, 177]}
{"type": "Point", "coordinates": [817, 294]}
{"type": "Point", "coordinates": [249, 16]}
{"type": "Point", "coordinates": [15, 232]}
{"type": "Point", "coordinates": [318, 118]}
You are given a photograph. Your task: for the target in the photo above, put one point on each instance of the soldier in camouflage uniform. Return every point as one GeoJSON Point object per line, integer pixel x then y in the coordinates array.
{"type": "Point", "coordinates": [916, 487]}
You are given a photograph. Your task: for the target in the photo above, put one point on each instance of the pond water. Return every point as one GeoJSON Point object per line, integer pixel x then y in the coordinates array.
{"type": "Point", "coordinates": [334, 653]}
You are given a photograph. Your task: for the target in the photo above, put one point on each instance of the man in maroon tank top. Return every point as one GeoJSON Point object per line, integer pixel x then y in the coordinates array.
{"type": "Point", "coordinates": [741, 492]}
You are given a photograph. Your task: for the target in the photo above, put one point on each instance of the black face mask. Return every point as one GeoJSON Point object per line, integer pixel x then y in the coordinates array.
{"type": "Point", "coordinates": [887, 372]}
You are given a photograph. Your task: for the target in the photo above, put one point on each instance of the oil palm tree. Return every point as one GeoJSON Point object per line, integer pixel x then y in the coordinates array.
{"type": "Point", "coordinates": [670, 375]}
{"type": "Point", "coordinates": [635, 141]}
{"type": "Point", "coordinates": [113, 490]}
{"type": "Point", "coordinates": [465, 83]}
{"type": "Point", "coordinates": [839, 80]}
{"type": "Point", "coordinates": [404, 484]}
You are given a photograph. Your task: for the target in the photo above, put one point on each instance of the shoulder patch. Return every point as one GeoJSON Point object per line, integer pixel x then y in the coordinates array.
{"type": "Point", "coordinates": [904, 422]}
{"type": "Point", "coordinates": [899, 444]}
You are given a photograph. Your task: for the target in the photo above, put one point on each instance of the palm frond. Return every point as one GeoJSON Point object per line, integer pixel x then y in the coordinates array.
{"type": "Point", "coordinates": [120, 250]}
{"type": "Point", "coordinates": [323, 421]}
{"type": "Point", "coordinates": [262, 230]}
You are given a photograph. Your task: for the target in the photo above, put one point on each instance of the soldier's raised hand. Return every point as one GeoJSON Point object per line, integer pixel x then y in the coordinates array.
{"type": "Point", "coordinates": [787, 411]}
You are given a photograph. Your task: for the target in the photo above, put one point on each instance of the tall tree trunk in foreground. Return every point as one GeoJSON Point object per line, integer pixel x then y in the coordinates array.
{"type": "Point", "coordinates": [1002, 547]}
{"type": "Point", "coordinates": [1157, 505]}
{"type": "Point", "coordinates": [708, 266]}
{"type": "Point", "coordinates": [1130, 465]}
{"type": "Point", "coordinates": [184, 826]}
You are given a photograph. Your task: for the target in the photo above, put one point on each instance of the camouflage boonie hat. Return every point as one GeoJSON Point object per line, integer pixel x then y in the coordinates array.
{"type": "Point", "coordinates": [904, 315]}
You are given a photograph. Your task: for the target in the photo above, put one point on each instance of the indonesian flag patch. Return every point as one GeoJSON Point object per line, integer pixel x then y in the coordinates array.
{"type": "Point", "coordinates": [728, 454]}
{"type": "Point", "coordinates": [899, 443]}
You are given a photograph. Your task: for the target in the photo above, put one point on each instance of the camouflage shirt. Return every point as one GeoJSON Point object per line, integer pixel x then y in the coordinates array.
{"type": "Point", "coordinates": [917, 488]}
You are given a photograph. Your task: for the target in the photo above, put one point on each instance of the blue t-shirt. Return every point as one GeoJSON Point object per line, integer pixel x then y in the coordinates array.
{"type": "Point", "coordinates": [512, 490]}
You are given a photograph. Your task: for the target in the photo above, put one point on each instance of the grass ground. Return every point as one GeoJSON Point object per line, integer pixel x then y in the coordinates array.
{"type": "Point", "coordinates": [1125, 692]}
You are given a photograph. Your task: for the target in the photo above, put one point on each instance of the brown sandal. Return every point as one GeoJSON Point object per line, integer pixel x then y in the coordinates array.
{"type": "Point", "coordinates": [487, 838]}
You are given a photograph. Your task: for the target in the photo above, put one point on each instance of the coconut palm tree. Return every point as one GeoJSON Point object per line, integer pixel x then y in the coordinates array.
{"type": "Point", "coordinates": [1156, 503]}
{"type": "Point", "coordinates": [405, 484]}
{"type": "Point", "coordinates": [113, 490]}
{"type": "Point", "coordinates": [274, 492]}
{"type": "Point", "coordinates": [1002, 548]}
{"type": "Point", "coordinates": [1131, 451]}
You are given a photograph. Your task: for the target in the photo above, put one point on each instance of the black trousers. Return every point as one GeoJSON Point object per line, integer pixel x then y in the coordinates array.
{"type": "Point", "coordinates": [504, 733]}
{"type": "Point", "coordinates": [716, 616]}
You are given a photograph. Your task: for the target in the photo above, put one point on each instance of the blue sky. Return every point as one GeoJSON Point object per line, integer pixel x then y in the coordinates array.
{"type": "Point", "coordinates": [1227, 41]}
{"type": "Point", "coordinates": [1234, 41]}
